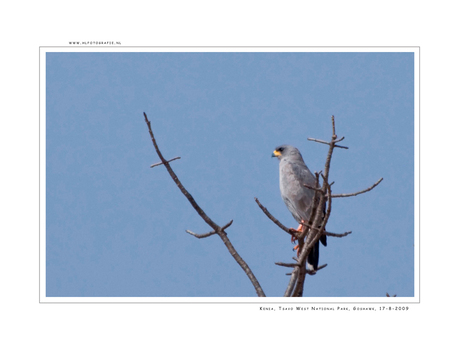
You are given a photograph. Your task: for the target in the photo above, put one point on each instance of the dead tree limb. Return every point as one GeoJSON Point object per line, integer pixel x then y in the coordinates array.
{"type": "Point", "coordinates": [200, 235]}
{"type": "Point", "coordinates": [273, 219]}
{"type": "Point", "coordinates": [347, 194]}
{"type": "Point", "coordinates": [310, 233]}
{"type": "Point", "coordinates": [357, 193]}
{"type": "Point", "coordinates": [220, 231]}
{"type": "Point", "coordinates": [287, 264]}
{"type": "Point", "coordinates": [327, 233]}
{"type": "Point", "coordinates": [327, 143]}
{"type": "Point", "coordinates": [292, 281]}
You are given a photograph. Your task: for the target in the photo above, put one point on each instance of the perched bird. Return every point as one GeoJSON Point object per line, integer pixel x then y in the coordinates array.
{"type": "Point", "coordinates": [298, 199]}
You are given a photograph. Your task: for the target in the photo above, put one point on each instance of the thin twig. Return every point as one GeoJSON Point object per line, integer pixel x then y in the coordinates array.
{"type": "Point", "coordinates": [219, 230]}
{"type": "Point", "coordinates": [273, 219]}
{"type": "Point", "coordinates": [313, 272]}
{"type": "Point", "coordinates": [160, 163]}
{"type": "Point", "coordinates": [311, 227]}
{"type": "Point", "coordinates": [329, 206]}
{"type": "Point", "coordinates": [334, 136]}
{"type": "Point", "coordinates": [327, 233]}
{"type": "Point", "coordinates": [201, 235]}
{"type": "Point", "coordinates": [357, 193]}
{"type": "Point", "coordinates": [227, 225]}
{"type": "Point", "coordinates": [312, 188]}
{"type": "Point", "coordinates": [209, 233]}
{"type": "Point", "coordinates": [327, 143]}
{"type": "Point", "coordinates": [319, 141]}
{"type": "Point", "coordinates": [287, 264]}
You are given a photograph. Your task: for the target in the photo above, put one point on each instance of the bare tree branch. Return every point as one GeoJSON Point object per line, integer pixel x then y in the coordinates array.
{"type": "Point", "coordinates": [216, 228]}
{"type": "Point", "coordinates": [160, 163]}
{"type": "Point", "coordinates": [334, 136]}
{"type": "Point", "coordinates": [287, 264]}
{"type": "Point", "coordinates": [299, 286]}
{"type": "Point", "coordinates": [201, 235]}
{"type": "Point", "coordinates": [320, 220]}
{"type": "Point", "coordinates": [292, 281]}
{"type": "Point", "coordinates": [326, 143]}
{"type": "Point", "coordinates": [313, 188]}
{"type": "Point", "coordinates": [313, 272]}
{"type": "Point", "coordinates": [327, 233]}
{"type": "Point", "coordinates": [227, 225]}
{"type": "Point", "coordinates": [338, 140]}
{"type": "Point", "coordinates": [357, 193]}
{"type": "Point", "coordinates": [311, 236]}
{"type": "Point", "coordinates": [274, 220]}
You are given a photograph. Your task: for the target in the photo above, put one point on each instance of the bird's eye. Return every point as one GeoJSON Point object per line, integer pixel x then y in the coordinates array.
{"type": "Point", "coordinates": [281, 149]}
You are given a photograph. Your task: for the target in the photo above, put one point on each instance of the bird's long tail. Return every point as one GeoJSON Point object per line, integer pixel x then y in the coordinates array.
{"type": "Point", "coordinates": [313, 257]}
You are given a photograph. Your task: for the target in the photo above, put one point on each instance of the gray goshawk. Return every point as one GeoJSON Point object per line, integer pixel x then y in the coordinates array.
{"type": "Point", "coordinates": [298, 199]}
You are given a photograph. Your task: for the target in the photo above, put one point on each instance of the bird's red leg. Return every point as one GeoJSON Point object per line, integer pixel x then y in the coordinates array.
{"type": "Point", "coordinates": [299, 229]}
{"type": "Point", "coordinates": [294, 238]}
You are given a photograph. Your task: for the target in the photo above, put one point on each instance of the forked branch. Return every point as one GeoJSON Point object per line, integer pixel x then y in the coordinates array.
{"type": "Point", "coordinates": [220, 231]}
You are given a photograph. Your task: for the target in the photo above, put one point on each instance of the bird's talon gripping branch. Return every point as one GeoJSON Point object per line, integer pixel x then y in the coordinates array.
{"type": "Point", "coordinates": [299, 230]}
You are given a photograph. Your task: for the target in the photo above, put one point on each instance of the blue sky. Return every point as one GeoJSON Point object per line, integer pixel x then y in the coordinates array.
{"type": "Point", "coordinates": [116, 228]}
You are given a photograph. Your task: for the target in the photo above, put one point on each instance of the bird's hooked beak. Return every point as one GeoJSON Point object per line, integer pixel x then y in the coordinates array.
{"type": "Point", "coordinates": [276, 153]}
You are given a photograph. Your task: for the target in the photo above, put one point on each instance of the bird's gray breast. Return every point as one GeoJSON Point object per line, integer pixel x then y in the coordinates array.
{"type": "Point", "coordinates": [293, 176]}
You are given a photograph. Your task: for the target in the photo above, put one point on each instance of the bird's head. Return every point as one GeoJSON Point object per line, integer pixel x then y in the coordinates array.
{"type": "Point", "coordinates": [285, 151]}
